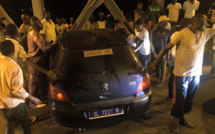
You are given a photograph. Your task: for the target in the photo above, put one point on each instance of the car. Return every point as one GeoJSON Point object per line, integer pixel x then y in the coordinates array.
{"type": "Point", "coordinates": [98, 78]}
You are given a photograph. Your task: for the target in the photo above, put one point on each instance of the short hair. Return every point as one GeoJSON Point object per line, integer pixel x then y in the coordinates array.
{"type": "Point", "coordinates": [116, 22]}
{"type": "Point", "coordinates": [11, 29]}
{"type": "Point", "coordinates": [185, 22]}
{"type": "Point", "coordinates": [7, 47]}
{"type": "Point", "coordinates": [198, 17]}
{"type": "Point", "coordinates": [139, 3]}
{"type": "Point", "coordinates": [45, 12]}
{"type": "Point", "coordinates": [33, 20]}
{"type": "Point", "coordinates": [139, 22]}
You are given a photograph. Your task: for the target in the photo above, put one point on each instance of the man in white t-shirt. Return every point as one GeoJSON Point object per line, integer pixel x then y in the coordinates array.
{"type": "Point", "coordinates": [190, 7]}
{"type": "Point", "coordinates": [188, 67]}
{"type": "Point", "coordinates": [142, 35]}
{"type": "Point", "coordinates": [174, 9]}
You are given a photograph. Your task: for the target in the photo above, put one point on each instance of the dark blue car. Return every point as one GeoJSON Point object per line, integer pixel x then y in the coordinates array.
{"type": "Point", "coordinates": [98, 78]}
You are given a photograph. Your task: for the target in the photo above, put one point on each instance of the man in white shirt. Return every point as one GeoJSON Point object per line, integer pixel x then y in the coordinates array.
{"type": "Point", "coordinates": [188, 67]}
{"type": "Point", "coordinates": [12, 34]}
{"type": "Point", "coordinates": [143, 41]}
{"type": "Point", "coordinates": [12, 93]}
{"type": "Point", "coordinates": [48, 28]}
{"type": "Point", "coordinates": [174, 9]}
{"type": "Point", "coordinates": [60, 27]}
{"type": "Point", "coordinates": [190, 7]}
{"type": "Point", "coordinates": [25, 27]}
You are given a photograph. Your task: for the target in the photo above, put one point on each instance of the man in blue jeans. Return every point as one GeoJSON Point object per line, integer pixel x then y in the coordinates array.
{"type": "Point", "coordinates": [188, 67]}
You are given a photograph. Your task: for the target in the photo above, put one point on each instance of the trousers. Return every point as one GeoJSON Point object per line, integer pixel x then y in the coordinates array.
{"type": "Point", "coordinates": [17, 116]}
{"type": "Point", "coordinates": [185, 89]}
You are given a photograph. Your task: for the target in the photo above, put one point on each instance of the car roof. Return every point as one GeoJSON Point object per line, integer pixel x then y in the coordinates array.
{"type": "Point", "coordinates": [81, 39]}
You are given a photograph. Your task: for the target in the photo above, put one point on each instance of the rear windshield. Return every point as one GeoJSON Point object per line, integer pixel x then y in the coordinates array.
{"type": "Point", "coordinates": [74, 64]}
{"type": "Point", "coordinates": [84, 39]}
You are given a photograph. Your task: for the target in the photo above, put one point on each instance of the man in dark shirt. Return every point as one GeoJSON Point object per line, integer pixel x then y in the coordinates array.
{"type": "Point", "coordinates": [160, 36]}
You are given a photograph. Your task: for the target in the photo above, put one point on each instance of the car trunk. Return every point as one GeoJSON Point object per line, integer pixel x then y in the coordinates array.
{"type": "Point", "coordinates": [98, 78]}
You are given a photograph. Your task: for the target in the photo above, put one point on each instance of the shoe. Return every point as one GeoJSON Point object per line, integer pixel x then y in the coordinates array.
{"type": "Point", "coordinates": [174, 127]}
{"type": "Point", "coordinates": [168, 98]}
{"type": "Point", "coordinates": [33, 119]}
{"type": "Point", "coordinates": [186, 123]}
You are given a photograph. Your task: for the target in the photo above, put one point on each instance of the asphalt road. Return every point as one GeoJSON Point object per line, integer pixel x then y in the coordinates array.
{"type": "Point", "coordinates": [154, 122]}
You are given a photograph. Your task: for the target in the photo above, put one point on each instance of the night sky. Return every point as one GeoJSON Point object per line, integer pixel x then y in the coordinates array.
{"type": "Point", "coordinates": [72, 8]}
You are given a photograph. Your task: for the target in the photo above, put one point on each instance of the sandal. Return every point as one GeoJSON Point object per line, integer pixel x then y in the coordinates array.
{"type": "Point", "coordinates": [186, 123]}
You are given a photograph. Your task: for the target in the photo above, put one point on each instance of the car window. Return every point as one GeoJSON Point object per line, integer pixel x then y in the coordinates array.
{"type": "Point", "coordinates": [84, 39]}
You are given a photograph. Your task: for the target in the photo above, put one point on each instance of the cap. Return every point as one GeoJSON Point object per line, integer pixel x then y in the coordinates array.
{"type": "Point", "coordinates": [162, 18]}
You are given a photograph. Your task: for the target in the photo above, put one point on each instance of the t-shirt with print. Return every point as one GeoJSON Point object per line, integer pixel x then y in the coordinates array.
{"type": "Point", "coordinates": [160, 37]}
{"type": "Point", "coordinates": [174, 11]}
{"type": "Point", "coordinates": [189, 55]}
{"type": "Point", "coordinates": [190, 9]}
{"type": "Point", "coordinates": [154, 10]}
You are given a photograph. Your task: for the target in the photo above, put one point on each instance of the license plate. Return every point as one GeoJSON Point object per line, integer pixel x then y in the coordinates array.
{"type": "Point", "coordinates": [99, 52]}
{"type": "Point", "coordinates": [95, 114]}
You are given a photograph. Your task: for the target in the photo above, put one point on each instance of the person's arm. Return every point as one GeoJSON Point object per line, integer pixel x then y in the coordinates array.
{"type": "Point", "coordinates": [180, 10]}
{"type": "Point", "coordinates": [140, 43]}
{"type": "Point", "coordinates": [17, 86]}
{"type": "Point", "coordinates": [160, 56]}
{"type": "Point", "coordinates": [36, 67]}
{"type": "Point", "coordinates": [49, 73]}
{"type": "Point", "coordinates": [167, 8]}
{"type": "Point", "coordinates": [184, 9]}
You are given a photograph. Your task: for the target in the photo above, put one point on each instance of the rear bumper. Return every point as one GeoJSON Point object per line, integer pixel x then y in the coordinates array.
{"type": "Point", "coordinates": [76, 115]}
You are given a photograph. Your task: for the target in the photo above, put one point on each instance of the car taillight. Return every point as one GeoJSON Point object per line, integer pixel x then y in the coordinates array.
{"type": "Point", "coordinates": [144, 83]}
{"type": "Point", "coordinates": [58, 94]}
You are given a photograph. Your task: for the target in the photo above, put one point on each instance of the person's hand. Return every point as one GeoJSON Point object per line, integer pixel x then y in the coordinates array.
{"type": "Point", "coordinates": [59, 37]}
{"type": "Point", "coordinates": [150, 67]}
{"type": "Point", "coordinates": [35, 100]}
{"type": "Point", "coordinates": [51, 74]}
{"type": "Point", "coordinates": [155, 55]}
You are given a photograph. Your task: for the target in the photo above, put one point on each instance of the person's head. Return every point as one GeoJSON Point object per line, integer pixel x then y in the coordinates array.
{"type": "Point", "coordinates": [199, 22]}
{"type": "Point", "coordinates": [154, 2]}
{"type": "Point", "coordinates": [174, 1]}
{"type": "Point", "coordinates": [101, 16]}
{"type": "Point", "coordinates": [117, 24]}
{"type": "Point", "coordinates": [139, 5]}
{"type": "Point", "coordinates": [7, 48]}
{"type": "Point", "coordinates": [192, 1]}
{"type": "Point", "coordinates": [36, 24]}
{"type": "Point", "coordinates": [92, 18]}
{"type": "Point", "coordinates": [47, 15]}
{"type": "Point", "coordinates": [139, 25]}
{"type": "Point", "coordinates": [25, 19]}
{"type": "Point", "coordinates": [163, 21]}
{"type": "Point", "coordinates": [146, 17]}
{"type": "Point", "coordinates": [63, 20]}
{"type": "Point", "coordinates": [71, 20]}
{"type": "Point", "coordinates": [11, 30]}
{"type": "Point", "coordinates": [184, 22]}
{"type": "Point", "coordinates": [110, 17]}
{"type": "Point", "coordinates": [58, 21]}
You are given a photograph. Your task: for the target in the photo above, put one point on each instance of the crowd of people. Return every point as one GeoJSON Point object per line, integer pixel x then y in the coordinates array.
{"type": "Point", "coordinates": [155, 33]}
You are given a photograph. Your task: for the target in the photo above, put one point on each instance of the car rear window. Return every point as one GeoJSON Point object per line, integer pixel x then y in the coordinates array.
{"type": "Point", "coordinates": [84, 39]}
